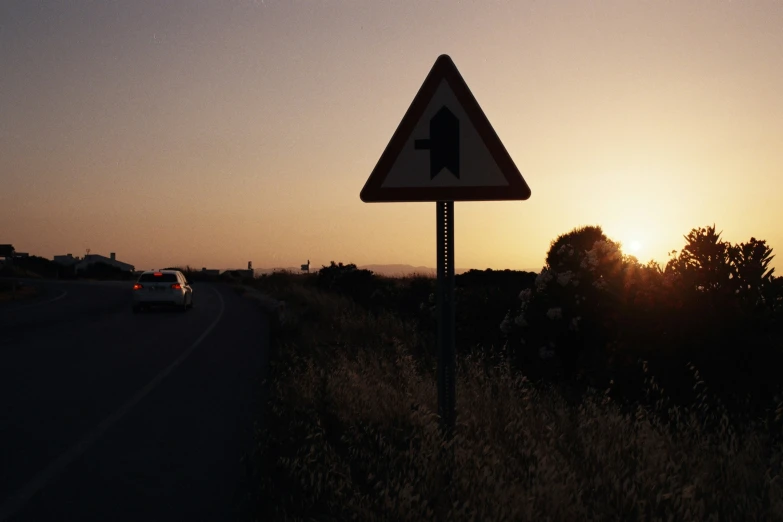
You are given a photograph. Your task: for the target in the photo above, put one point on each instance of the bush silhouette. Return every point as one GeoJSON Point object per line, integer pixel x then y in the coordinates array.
{"type": "Point", "coordinates": [358, 284]}
{"type": "Point", "coordinates": [593, 313]}
{"type": "Point", "coordinates": [574, 307]}
{"type": "Point", "coordinates": [104, 271]}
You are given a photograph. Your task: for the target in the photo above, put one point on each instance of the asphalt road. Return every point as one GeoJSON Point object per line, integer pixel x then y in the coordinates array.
{"type": "Point", "coordinates": [109, 415]}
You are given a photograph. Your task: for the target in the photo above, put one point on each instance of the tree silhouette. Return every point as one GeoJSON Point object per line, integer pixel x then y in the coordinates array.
{"type": "Point", "coordinates": [566, 251]}
{"type": "Point", "coordinates": [751, 274]}
{"type": "Point", "coordinates": [704, 264]}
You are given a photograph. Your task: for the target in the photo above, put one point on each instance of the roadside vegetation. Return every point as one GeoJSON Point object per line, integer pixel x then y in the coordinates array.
{"type": "Point", "coordinates": [13, 291]}
{"type": "Point", "coordinates": [35, 267]}
{"type": "Point", "coordinates": [597, 389]}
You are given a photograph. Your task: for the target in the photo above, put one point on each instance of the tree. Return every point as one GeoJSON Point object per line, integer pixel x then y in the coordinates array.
{"type": "Point", "coordinates": [733, 280]}
{"type": "Point", "coordinates": [704, 264]}
{"type": "Point", "coordinates": [571, 314]}
{"type": "Point", "coordinates": [751, 275]}
{"type": "Point", "coordinates": [562, 250]}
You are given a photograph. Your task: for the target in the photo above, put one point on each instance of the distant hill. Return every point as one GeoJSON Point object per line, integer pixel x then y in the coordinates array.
{"type": "Point", "coordinates": [404, 270]}
{"type": "Point", "coordinates": [401, 270]}
{"type": "Point", "coordinates": [387, 270]}
{"type": "Point", "coordinates": [295, 270]}
{"type": "Point", "coordinates": [394, 270]}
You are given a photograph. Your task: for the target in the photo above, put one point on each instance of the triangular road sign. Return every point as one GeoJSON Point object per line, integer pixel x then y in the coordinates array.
{"type": "Point", "coordinates": [444, 149]}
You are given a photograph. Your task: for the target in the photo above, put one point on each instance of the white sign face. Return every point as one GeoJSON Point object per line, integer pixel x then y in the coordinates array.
{"type": "Point", "coordinates": [476, 165]}
{"type": "Point", "coordinates": [445, 149]}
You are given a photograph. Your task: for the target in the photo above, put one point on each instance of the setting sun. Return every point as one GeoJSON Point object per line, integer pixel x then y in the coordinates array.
{"type": "Point", "coordinates": [634, 247]}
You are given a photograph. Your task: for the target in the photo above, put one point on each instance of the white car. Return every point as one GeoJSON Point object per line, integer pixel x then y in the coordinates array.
{"type": "Point", "coordinates": [162, 288]}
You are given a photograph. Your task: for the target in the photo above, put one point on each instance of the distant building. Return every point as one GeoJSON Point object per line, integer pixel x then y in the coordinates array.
{"type": "Point", "coordinates": [6, 253]}
{"type": "Point", "coordinates": [91, 259]}
{"type": "Point", "coordinates": [67, 260]}
{"type": "Point", "coordinates": [210, 271]}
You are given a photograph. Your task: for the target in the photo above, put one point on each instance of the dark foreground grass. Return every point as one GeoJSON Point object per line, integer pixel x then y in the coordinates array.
{"type": "Point", "coordinates": [351, 434]}
{"type": "Point", "coordinates": [10, 291]}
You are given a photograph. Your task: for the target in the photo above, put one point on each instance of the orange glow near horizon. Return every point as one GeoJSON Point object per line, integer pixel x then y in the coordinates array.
{"type": "Point", "coordinates": [212, 135]}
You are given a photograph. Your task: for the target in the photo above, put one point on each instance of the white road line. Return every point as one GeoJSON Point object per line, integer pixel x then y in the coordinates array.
{"type": "Point", "coordinates": [65, 292]}
{"type": "Point", "coordinates": [22, 496]}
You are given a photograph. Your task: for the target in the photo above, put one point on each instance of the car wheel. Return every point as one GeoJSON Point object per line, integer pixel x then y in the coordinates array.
{"type": "Point", "coordinates": [190, 303]}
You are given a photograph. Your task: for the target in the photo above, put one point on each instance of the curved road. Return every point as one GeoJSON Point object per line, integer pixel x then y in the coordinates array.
{"type": "Point", "coordinates": [109, 415]}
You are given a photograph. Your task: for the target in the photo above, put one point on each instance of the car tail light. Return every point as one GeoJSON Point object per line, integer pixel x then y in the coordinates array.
{"type": "Point", "coordinates": [176, 286]}
{"type": "Point", "coordinates": [137, 286]}
{"type": "Point", "coordinates": [158, 274]}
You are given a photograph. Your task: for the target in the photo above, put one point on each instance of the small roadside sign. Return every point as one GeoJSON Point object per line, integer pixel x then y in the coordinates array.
{"type": "Point", "coordinates": [444, 149]}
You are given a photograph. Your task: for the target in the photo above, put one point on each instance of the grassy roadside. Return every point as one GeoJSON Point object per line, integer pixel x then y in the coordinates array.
{"type": "Point", "coordinates": [20, 293]}
{"type": "Point", "coordinates": [350, 433]}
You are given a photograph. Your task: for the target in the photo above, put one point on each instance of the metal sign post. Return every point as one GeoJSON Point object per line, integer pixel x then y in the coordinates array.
{"type": "Point", "coordinates": [446, 315]}
{"type": "Point", "coordinates": [445, 150]}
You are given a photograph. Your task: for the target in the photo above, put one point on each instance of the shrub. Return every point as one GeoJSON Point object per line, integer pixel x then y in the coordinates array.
{"type": "Point", "coordinates": [482, 297]}
{"type": "Point", "coordinates": [351, 433]}
{"type": "Point", "coordinates": [104, 271]}
{"type": "Point", "coordinates": [36, 267]}
{"type": "Point", "coordinates": [594, 312]}
{"type": "Point", "coordinates": [572, 312]}
{"type": "Point", "coordinates": [360, 285]}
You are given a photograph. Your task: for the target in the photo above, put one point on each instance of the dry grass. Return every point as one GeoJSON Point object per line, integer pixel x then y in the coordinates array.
{"type": "Point", "coordinates": [351, 434]}
{"type": "Point", "coordinates": [7, 293]}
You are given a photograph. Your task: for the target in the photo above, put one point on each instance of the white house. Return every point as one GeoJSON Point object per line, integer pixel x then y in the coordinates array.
{"type": "Point", "coordinates": [67, 260]}
{"type": "Point", "coordinates": [91, 259]}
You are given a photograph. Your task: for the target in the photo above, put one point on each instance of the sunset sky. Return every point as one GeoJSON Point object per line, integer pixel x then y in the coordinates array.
{"type": "Point", "coordinates": [214, 133]}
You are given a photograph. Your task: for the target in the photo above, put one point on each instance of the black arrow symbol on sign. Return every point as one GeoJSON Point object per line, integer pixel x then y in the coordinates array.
{"type": "Point", "coordinates": [443, 143]}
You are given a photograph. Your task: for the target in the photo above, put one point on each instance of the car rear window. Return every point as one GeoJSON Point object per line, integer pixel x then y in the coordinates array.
{"type": "Point", "coordinates": [162, 278]}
